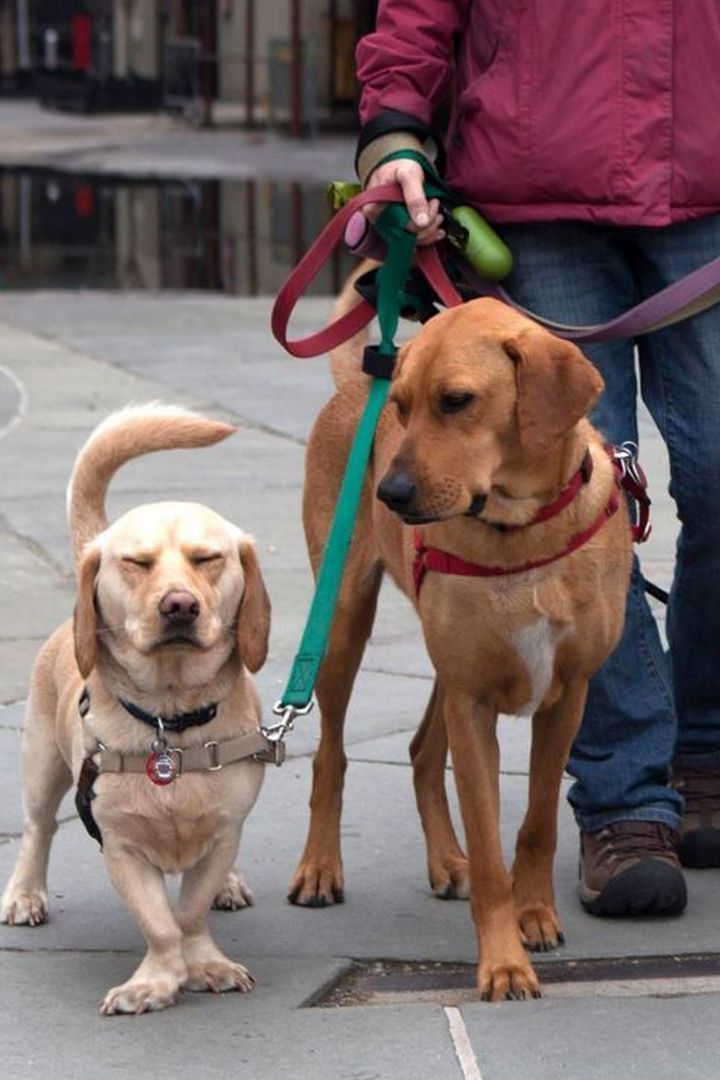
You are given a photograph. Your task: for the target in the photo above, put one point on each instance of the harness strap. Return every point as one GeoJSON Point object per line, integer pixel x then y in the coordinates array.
{"type": "Point", "coordinates": [431, 558]}
{"type": "Point", "coordinates": [84, 795]}
{"type": "Point", "coordinates": [578, 480]}
{"type": "Point", "coordinates": [208, 757]}
{"type": "Point", "coordinates": [628, 475]}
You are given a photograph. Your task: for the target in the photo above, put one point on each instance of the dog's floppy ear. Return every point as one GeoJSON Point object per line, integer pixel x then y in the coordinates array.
{"type": "Point", "coordinates": [556, 386]}
{"type": "Point", "coordinates": [253, 624]}
{"type": "Point", "coordinates": [85, 618]}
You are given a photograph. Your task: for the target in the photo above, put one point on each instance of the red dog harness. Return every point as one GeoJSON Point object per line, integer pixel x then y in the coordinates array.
{"type": "Point", "coordinates": [628, 476]}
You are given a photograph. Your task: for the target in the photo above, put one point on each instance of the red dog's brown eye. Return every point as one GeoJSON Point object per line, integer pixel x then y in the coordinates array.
{"type": "Point", "coordinates": [452, 403]}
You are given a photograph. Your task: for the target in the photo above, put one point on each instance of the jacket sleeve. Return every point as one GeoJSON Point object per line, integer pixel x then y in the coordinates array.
{"type": "Point", "coordinates": [405, 66]}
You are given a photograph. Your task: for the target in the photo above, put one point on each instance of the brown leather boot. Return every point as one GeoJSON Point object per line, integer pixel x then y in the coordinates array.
{"type": "Point", "coordinates": [631, 868]}
{"type": "Point", "coordinates": [699, 835]}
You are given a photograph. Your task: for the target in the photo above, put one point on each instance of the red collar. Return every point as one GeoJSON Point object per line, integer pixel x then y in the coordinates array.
{"type": "Point", "coordinates": [629, 476]}
{"type": "Point", "coordinates": [566, 496]}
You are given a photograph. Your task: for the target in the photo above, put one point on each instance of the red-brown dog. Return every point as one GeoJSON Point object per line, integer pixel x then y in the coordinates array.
{"type": "Point", "coordinates": [486, 451]}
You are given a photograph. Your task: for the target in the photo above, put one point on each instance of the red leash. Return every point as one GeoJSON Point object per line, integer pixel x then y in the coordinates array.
{"type": "Point", "coordinates": [315, 258]}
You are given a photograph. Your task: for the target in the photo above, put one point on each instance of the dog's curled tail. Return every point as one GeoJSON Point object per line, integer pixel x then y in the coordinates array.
{"type": "Point", "coordinates": [122, 436]}
{"type": "Point", "coordinates": [346, 359]}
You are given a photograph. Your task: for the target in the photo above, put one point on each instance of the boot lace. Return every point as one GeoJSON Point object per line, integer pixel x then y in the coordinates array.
{"type": "Point", "coordinates": [635, 840]}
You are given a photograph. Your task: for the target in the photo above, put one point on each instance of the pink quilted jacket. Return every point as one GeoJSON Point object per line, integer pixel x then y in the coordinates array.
{"type": "Point", "coordinates": [594, 110]}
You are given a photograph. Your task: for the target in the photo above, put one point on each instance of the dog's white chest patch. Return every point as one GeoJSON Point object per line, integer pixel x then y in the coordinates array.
{"type": "Point", "coordinates": [535, 644]}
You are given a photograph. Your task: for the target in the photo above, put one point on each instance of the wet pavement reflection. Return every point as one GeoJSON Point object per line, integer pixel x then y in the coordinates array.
{"type": "Point", "coordinates": [242, 237]}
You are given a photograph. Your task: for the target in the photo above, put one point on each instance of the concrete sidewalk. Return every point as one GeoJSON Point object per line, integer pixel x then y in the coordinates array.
{"type": "Point", "coordinates": [66, 360]}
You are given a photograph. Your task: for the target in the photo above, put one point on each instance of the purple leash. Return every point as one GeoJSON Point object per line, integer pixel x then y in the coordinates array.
{"type": "Point", "coordinates": [688, 296]}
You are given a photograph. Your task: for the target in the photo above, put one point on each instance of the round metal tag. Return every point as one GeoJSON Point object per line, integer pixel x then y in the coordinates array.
{"type": "Point", "coordinates": [160, 767]}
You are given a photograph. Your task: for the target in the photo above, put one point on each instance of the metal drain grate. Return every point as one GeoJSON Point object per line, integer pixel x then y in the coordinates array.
{"type": "Point", "coordinates": [385, 982]}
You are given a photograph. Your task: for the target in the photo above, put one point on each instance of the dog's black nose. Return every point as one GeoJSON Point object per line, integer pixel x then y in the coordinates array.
{"type": "Point", "coordinates": [179, 607]}
{"type": "Point", "coordinates": [396, 490]}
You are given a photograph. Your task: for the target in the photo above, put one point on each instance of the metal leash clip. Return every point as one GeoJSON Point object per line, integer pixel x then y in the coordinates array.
{"type": "Point", "coordinates": [275, 733]}
{"type": "Point", "coordinates": [633, 481]}
{"type": "Point", "coordinates": [626, 456]}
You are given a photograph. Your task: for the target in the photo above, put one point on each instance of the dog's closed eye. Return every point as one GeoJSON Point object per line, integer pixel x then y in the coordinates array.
{"type": "Point", "coordinates": [141, 562]}
{"type": "Point", "coordinates": [455, 401]}
{"type": "Point", "coordinates": [204, 558]}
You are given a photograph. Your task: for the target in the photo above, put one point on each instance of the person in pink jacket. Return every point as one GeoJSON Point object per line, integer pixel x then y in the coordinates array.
{"type": "Point", "coordinates": [589, 135]}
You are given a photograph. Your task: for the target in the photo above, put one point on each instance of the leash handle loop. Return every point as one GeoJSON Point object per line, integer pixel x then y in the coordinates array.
{"type": "Point", "coordinates": [307, 270]}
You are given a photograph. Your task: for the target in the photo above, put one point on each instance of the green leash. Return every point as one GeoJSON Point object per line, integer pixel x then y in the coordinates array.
{"type": "Point", "coordinates": [392, 275]}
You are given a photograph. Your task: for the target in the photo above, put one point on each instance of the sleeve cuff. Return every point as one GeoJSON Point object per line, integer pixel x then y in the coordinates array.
{"type": "Point", "coordinates": [408, 131]}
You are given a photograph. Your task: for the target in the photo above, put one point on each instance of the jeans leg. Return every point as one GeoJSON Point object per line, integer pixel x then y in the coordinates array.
{"type": "Point", "coordinates": [680, 369]}
{"type": "Point", "coordinates": [620, 760]}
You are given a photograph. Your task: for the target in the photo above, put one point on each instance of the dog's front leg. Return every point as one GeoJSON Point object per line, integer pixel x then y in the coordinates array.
{"type": "Point", "coordinates": [208, 968]}
{"type": "Point", "coordinates": [553, 731]}
{"type": "Point", "coordinates": [156, 982]}
{"type": "Point", "coordinates": [504, 970]}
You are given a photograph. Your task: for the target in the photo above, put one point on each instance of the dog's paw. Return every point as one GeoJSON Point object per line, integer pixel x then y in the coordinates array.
{"type": "Point", "coordinates": [24, 908]}
{"type": "Point", "coordinates": [449, 880]}
{"type": "Point", "coordinates": [507, 981]}
{"type": "Point", "coordinates": [141, 995]}
{"type": "Point", "coordinates": [235, 893]}
{"type": "Point", "coordinates": [218, 976]}
{"type": "Point", "coordinates": [317, 886]}
{"type": "Point", "coordinates": [540, 928]}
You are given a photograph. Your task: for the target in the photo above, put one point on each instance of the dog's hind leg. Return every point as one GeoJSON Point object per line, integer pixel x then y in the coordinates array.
{"type": "Point", "coordinates": [235, 893]}
{"type": "Point", "coordinates": [447, 864]}
{"type": "Point", "coordinates": [318, 880]}
{"type": "Point", "coordinates": [46, 778]}
{"type": "Point", "coordinates": [553, 731]}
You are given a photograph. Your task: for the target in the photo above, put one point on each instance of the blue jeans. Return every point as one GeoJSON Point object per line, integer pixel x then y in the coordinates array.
{"type": "Point", "coordinates": [645, 708]}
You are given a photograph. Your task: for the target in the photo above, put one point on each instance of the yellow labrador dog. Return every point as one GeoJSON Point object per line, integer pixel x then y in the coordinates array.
{"type": "Point", "coordinates": [145, 703]}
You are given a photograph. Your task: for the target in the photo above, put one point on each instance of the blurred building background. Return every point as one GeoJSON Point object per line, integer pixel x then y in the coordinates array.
{"type": "Point", "coordinates": [62, 230]}
{"type": "Point", "coordinates": [284, 62]}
